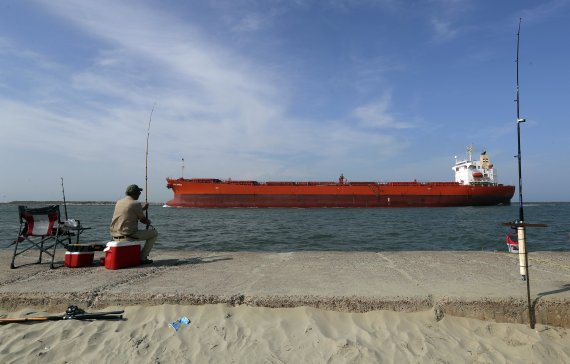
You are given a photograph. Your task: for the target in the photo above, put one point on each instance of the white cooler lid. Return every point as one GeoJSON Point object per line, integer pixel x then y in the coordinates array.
{"type": "Point", "coordinates": [122, 243]}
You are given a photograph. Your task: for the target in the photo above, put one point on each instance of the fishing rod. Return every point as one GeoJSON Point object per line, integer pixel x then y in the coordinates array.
{"type": "Point", "coordinates": [64, 204]}
{"type": "Point", "coordinates": [520, 224]}
{"type": "Point", "coordinates": [146, 163]}
{"type": "Point", "coordinates": [72, 313]}
{"type": "Point", "coordinates": [521, 233]}
{"type": "Point", "coordinates": [519, 121]}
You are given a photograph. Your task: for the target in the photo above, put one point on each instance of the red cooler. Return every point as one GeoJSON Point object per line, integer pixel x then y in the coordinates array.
{"type": "Point", "coordinates": [120, 254]}
{"type": "Point", "coordinates": [78, 259]}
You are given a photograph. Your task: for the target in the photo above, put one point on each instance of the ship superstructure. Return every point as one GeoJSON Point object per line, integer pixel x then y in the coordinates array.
{"type": "Point", "coordinates": [473, 172]}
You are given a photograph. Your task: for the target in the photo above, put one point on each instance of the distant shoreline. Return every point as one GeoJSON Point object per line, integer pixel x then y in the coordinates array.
{"type": "Point", "coordinates": [99, 203]}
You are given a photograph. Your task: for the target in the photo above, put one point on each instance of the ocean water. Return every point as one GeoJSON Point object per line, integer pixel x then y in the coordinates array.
{"type": "Point", "coordinates": [358, 229]}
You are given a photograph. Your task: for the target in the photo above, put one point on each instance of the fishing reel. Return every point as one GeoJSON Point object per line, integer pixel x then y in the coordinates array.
{"type": "Point", "coordinates": [72, 311]}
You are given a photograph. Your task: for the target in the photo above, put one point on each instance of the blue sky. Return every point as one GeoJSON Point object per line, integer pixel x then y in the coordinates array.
{"type": "Point", "coordinates": [381, 90]}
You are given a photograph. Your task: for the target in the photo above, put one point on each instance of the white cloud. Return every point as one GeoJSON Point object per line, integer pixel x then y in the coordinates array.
{"type": "Point", "coordinates": [543, 10]}
{"type": "Point", "coordinates": [377, 115]}
{"type": "Point", "coordinates": [443, 30]}
{"type": "Point", "coordinates": [254, 21]}
{"type": "Point", "coordinates": [9, 49]}
{"type": "Point", "coordinates": [224, 112]}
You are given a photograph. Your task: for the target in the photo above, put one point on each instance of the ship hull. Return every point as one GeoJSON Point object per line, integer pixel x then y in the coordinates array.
{"type": "Point", "coordinates": [250, 194]}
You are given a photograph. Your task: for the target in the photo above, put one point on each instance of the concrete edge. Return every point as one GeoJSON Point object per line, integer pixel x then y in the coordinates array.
{"type": "Point", "coordinates": [505, 310]}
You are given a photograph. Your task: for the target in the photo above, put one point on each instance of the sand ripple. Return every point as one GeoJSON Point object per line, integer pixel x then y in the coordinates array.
{"type": "Point", "coordinates": [242, 334]}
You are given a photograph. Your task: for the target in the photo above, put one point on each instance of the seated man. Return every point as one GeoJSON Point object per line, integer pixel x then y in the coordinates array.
{"type": "Point", "coordinates": [128, 212]}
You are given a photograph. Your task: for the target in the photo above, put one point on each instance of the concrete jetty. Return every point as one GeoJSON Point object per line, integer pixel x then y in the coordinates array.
{"type": "Point", "coordinates": [481, 285]}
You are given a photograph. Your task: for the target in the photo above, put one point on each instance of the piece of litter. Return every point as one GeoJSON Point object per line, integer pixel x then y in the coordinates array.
{"type": "Point", "coordinates": [176, 324]}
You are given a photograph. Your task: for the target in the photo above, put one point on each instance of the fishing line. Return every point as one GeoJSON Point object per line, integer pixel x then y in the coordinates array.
{"type": "Point", "coordinates": [146, 163]}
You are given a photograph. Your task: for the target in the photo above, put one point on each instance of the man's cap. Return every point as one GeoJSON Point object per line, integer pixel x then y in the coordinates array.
{"type": "Point", "coordinates": [133, 189]}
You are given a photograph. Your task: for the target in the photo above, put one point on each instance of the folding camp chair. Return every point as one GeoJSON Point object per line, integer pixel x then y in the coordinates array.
{"type": "Point", "coordinates": [40, 228]}
{"type": "Point", "coordinates": [512, 241]}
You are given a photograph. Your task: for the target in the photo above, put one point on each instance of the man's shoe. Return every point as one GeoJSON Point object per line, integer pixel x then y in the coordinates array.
{"type": "Point", "coordinates": [146, 261]}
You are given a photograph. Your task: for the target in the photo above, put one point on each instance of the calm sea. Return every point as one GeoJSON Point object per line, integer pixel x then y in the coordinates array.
{"type": "Point", "coordinates": [359, 229]}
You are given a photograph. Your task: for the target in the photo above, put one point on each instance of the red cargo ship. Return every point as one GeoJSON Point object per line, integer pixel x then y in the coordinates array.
{"type": "Point", "coordinates": [475, 185]}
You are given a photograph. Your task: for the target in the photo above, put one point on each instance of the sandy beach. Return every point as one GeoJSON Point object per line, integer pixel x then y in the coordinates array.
{"type": "Point", "coordinates": [299, 307]}
{"type": "Point", "coordinates": [222, 333]}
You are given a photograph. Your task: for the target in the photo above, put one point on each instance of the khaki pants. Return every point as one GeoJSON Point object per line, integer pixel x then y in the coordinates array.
{"type": "Point", "coordinates": [150, 236]}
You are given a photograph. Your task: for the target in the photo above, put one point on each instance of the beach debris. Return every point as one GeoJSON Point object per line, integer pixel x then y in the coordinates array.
{"type": "Point", "coordinates": [181, 321]}
{"type": "Point", "coordinates": [438, 312]}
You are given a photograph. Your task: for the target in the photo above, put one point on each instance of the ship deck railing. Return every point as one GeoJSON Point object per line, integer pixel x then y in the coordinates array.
{"type": "Point", "coordinates": [325, 183]}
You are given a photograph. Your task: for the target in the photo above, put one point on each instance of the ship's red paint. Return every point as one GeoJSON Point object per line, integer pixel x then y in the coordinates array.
{"type": "Point", "coordinates": [217, 193]}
